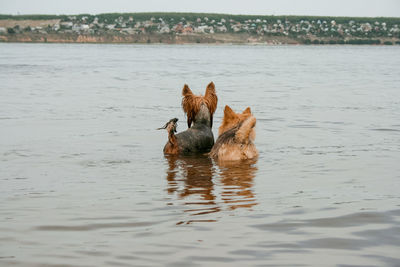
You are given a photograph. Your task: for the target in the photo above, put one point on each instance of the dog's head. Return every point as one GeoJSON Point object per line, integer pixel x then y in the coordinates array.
{"type": "Point", "coordinates": [192, 103]}
{"type": "Point", "coordinates": [231, 119]}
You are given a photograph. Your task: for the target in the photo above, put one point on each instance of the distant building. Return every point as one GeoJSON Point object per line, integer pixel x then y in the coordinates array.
{"type": "Point", "coordinates": [187, 29]}
{"type": "Point", "coordinates": [165, 29]}
{"type": "Point", "coordinates": [67, 24]}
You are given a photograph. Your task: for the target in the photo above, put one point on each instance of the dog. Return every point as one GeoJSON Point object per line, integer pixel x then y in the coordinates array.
{"type": "Point", "coordinates": [198, 138]}
{"type": "Point", "coordinates": [236, 137]}
{"type": "Point", "coordinates": [231, 118]}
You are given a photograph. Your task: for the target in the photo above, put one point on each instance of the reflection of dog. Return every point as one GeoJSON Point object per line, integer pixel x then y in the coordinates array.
{"type": "Point", "coordinates": [199, 110]}
{"type": "Point", "coordinates": [208, 188]}
{"type": "Point", "coordinates": [236, 136]}
{"type": "Point", "coordinates": [237, 179]}
{"type": "Point", "coordinates": [196, 173]}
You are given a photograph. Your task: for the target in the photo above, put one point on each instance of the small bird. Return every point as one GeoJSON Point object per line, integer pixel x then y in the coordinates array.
{"type": "Point", "coordinates": [171, 121]}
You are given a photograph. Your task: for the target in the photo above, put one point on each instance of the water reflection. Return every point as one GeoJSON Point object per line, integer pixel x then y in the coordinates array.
{"type": "Point", "coordinates": [238, 183]}
{"type": "Point", "coordinates": [207, 187]}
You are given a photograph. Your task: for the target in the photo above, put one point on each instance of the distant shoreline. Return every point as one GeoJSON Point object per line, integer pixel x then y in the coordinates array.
{"type": "Point", "coordinates": [219, 38]}
{"type": "Point", "coordinates": [199, 28]}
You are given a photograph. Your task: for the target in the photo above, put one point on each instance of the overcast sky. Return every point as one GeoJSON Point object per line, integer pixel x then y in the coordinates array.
{"type": "Point", "coordinates": [368, 8]}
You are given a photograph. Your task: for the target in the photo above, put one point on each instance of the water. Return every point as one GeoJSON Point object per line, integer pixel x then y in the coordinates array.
{"type": "Point", "coordinates": [83, 180]}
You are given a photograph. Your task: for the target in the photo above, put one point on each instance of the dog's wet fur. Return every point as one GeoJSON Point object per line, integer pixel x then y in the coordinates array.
{"type": "Point", "coordinates": [236, 137]}
{"type": "Point", "coordinates": [232, 119]}
{"type": "Point", "coordinates": [198, 138]}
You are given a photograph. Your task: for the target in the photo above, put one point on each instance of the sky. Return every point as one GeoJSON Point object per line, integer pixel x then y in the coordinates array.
{"type": "Point", "coordinates": [352, 8]}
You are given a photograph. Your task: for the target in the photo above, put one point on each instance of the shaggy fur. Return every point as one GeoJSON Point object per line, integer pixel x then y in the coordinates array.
{"type": "Point", "coordinates": [191, 103]}
{"type": "Point", "coordinates": [236, 143]}
{"type": "Point", "coordinates": [171, 147]}
{"type": "Point", "coordinates": [199, 137]}
{"type": "Point", "coordinates": [231, 118]}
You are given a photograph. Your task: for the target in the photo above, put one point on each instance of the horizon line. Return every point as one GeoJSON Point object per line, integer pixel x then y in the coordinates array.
{"type": "Point", "coordinates": [203, 13]}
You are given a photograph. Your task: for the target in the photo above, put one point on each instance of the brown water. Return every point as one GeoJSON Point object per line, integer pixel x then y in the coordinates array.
{"type": "Point", "coordinates": [83, 180]}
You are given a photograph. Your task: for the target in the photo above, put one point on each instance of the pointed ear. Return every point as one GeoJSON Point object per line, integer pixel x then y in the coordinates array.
{"type": "Point", "coordinates": [229, 113]}
{"type": "Point", "coordinates": [247, 111]}
{"type": "Point", "coordinates": [186, 90]}
{"type": "Point", "coordinates": [189, 104]}
{"type": "Point", "coordinates": [210, 88]}
{"type": "Point", "coordinates": [211, 98]}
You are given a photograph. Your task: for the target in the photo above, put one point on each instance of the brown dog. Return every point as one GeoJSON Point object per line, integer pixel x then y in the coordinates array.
{"type": "Point", "coordinates": [236, 137]}
{"type": "Point", "coordinates": [231, 119]}
{"type": "Point", "coordinates": [192, 103]}
{"type": "Point", "coordinates": [200, 110]}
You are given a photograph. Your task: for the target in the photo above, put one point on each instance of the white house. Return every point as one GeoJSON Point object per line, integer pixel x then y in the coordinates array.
{"type": "Point", "coordinates": [165, 29]}
{"type": "Point", "coordinates": [128, 30]}
{"type": "Point", "coordinates": [56, 27]}
{"type": "Point", "coordinates": [110, 26]}
{"type": "Point", "coordinates": [236, 27]}
{"type": "Point", "coordinates": [201, 29]}
{"type": "Point", "coordinates": [67, 24]}
{"type": "Point", "coordinates": [222, 28]}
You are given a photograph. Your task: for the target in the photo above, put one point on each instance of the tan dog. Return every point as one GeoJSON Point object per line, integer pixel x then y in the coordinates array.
{"type": "Point", "coordinates": [236, 137]}
{"type": "Point", "coordinates": [231, 119]}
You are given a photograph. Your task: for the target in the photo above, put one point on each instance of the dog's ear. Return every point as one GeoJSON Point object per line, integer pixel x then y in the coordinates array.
{"type": "Point", "coordinates": [189, 104]}
{"type": "Point", "coordinates": [229, 117]}
{"type": "Point", "coordinates": [211, 97]}
{"type": "Point", "coordinates": [247, 111]}
{"type": "Point", "coordinates": [211, 100]}
{"type": "Point", "coordinates": [210, 88]}
{"type": "Point", "coordinates": [186, 90]}
{"type": "Point", "coordinates": [229, 114]}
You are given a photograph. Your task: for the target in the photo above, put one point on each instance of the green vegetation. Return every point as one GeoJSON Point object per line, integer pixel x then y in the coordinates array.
{"type": "Point", "coordinates": [33, 17]}
{"type": "Point", "coordinates": [110, 17]}
{"type": "Point", "coordinates": [303, 29]}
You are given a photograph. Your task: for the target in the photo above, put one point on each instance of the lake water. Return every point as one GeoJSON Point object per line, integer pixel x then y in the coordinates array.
{"type": "Point", "coordinates": [84, 182]}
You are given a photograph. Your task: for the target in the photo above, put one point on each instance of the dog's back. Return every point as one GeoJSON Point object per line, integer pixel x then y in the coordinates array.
{"type": "Point", "coordinates": [197, 139]}
{"type": "Point", "coordinates": [236, 143]}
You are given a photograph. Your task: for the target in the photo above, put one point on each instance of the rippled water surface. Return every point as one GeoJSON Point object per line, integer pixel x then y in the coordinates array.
{"type": "Point", "coordinates": [84, 182]}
